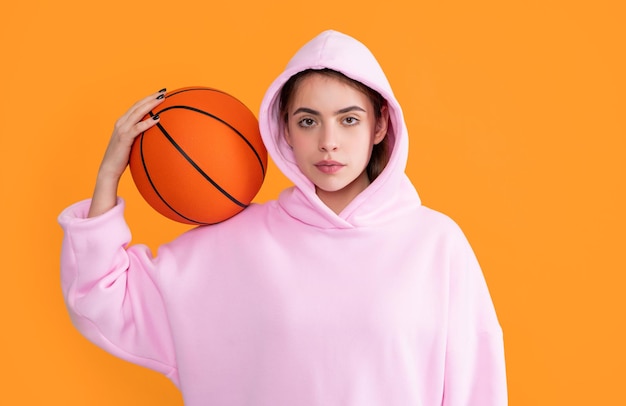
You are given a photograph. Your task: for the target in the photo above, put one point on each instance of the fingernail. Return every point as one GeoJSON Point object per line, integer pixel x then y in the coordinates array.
{"type": "Point", "coordinates": [159, 97]}
{"type": "Point", "coordinates": [162, 90]}
{"type": "Point", "coordinates": [156, 117]}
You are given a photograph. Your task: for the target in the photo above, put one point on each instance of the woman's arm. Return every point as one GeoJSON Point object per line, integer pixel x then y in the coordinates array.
{"type": "Point", "coordinates": [116, 156]}
{"type": "Point", "coordinates": [112, 289]}
{"type": "Point", "coordinates": [475, 373]}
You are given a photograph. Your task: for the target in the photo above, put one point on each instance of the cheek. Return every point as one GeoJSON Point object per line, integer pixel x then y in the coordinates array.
{"type": "Point", "coordinates": [298, 145]}
{"type": "Point", "coordinates": [293, 135]}
{"type": "Point", "coordinates": [365, 142]}
{"type": "Point", "coordinates": [298, 139]}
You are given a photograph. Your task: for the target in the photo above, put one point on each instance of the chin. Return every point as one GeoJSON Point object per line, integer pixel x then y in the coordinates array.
{"type": "Point", "coordinates": [328, 189]}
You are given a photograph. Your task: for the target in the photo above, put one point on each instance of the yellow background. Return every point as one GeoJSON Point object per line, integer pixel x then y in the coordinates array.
{"type": "Point", "coordinates": [516, 116]}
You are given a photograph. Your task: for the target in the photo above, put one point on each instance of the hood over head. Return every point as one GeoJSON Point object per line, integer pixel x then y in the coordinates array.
{"type": "Point", "coordinates": [391, 193]}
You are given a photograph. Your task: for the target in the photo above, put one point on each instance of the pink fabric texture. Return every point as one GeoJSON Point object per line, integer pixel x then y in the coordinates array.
{"type": "Point", "coordinates": [289, 303]}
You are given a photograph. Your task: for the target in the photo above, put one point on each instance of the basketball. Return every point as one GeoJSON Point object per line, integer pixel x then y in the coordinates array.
{"type": "Point", "coordinates": [204, 161]}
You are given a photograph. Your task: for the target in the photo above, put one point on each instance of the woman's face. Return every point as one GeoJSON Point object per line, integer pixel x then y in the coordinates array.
{"type": "Point", "coordinates": [332, 129]}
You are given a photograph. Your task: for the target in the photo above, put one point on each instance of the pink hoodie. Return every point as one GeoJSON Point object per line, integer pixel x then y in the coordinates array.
{"type": "Point", "coordinates": [289, 304]}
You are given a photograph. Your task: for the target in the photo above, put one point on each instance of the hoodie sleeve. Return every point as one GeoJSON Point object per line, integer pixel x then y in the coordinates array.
{"type": "Point", "coordinates": [111, 291]}
{"type": "Point", "coordinates": [475, 372]}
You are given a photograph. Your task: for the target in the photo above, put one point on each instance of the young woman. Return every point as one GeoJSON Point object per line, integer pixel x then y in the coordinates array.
{"type": "Point", "coordinates": [344, 291]}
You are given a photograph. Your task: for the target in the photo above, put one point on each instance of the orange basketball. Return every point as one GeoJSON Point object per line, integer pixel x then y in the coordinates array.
{"type": "Point", "coordinates": [204, 161]}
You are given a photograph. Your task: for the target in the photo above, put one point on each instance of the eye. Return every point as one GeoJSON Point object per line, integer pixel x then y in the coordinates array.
{"type": "Point", "coordinates": [350, 121]}
{"type": "Point", "coordinates": [306, 122]}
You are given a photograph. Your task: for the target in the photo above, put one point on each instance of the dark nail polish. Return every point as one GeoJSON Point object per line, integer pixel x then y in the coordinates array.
{"type": "Point", "coordinates": [159, 97]}
{"type": "Point", "coordinates": [163, 90]}
{"type": "Point", "coordinates": [155, 117]}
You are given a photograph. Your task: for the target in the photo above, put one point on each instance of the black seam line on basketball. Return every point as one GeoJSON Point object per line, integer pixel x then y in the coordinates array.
{"type": "Point", "coordinates": [145, 168]}
{"type": "Point", "coordinates": [223, 122]}
{"type": "Point", "coordinates": [195, 88]}
{"type": "Point", "coordinates": [192, 163]}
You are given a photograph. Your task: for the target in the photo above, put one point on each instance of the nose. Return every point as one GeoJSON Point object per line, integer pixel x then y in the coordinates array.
{"type": "Point", "coordinates": [328, 140]}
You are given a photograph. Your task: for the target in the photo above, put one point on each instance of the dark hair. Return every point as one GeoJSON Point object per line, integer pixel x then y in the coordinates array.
{"type": "Point", "coordinates": [380, 152]}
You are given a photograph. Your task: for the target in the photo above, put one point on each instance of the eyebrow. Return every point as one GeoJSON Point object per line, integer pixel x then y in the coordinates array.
{"type": "Point", "coordinates": [340, 111]}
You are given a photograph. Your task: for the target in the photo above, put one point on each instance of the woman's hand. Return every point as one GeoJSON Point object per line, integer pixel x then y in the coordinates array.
{"type": "Point", "coordinates": [117, 154]}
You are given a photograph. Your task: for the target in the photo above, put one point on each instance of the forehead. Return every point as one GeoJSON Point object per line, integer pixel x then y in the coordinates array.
{"type": "Point", "coordinates": [324, 90]}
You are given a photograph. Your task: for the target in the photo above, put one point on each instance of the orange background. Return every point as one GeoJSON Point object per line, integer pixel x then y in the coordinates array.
{"type": "Point", "coordinates": [516, 116]}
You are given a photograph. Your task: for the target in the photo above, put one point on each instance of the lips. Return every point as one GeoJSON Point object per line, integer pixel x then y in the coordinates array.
{"type": "Point", "coordinates": [329, 167]}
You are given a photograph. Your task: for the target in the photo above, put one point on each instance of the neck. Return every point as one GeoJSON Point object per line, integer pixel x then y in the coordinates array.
{"type": "Point", "coordinates": [339, 199]}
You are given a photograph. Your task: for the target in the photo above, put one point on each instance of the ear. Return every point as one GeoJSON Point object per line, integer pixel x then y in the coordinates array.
{"type": "Point", "coordinates": [287, 135]}
{"type": "Point", "coordinates": [382, 125]}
